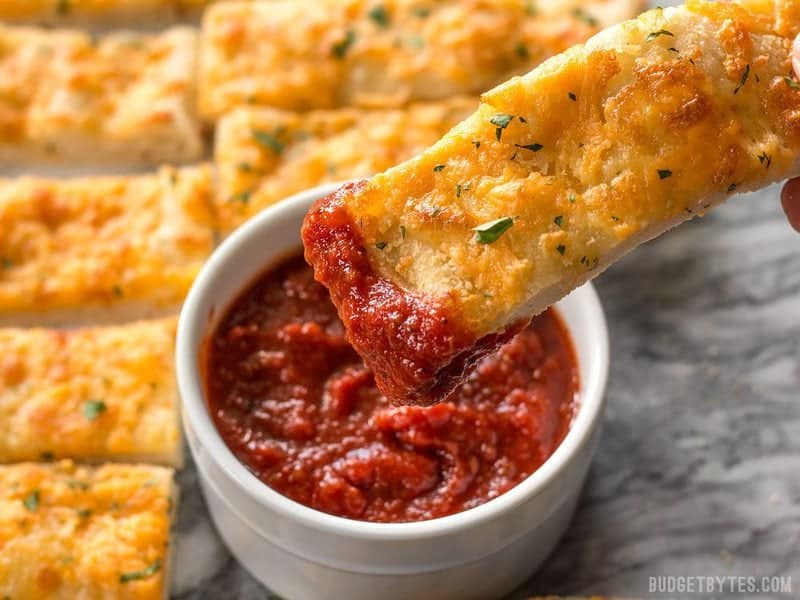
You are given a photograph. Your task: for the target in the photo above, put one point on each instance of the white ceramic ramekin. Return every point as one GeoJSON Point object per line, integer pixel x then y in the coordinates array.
{"type": "Point", "coordinates": [301, 553]}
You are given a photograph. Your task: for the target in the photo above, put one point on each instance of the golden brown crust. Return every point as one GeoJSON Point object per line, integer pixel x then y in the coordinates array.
{"type": "Point", "coordinates": [69, 532]}
{"type": "Point", "coordinates": [348, 52]}
{"type": "Point", "coordinates": [122, 98]}
{"type": "Point", "coordinates": [597, 150]}
{"type": "Point", "coordinates": [264, 155]}
{"type": "Point", "coordinates": [90, 394]}
{"type": "Point", "coordinates": [102, 244]}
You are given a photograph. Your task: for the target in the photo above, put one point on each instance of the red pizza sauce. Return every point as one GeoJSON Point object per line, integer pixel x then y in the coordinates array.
{"type": "Point", "coordinates": [297, 406]}
{"type": "Point", "coordinates": [414, 345]}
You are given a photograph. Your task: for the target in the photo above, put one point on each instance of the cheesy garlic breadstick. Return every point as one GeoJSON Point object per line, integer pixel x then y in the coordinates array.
{"type": "Point", "coordinates": [557, 175]}
{"type": "Point", "coordinates": [283, 54]}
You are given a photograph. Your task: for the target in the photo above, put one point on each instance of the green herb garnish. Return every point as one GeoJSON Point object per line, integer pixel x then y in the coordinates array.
{"type": "Point", "coordinates": [792, 83]}
{"type": "Point", "coordinates": [561, 249]}
{"type": "Point", "coordinates": [765, 159]}
{"type": "Point", "coordinates": [402, 232]}
{"type": "Point", "coordinates": [558, 220]}
{"type": "Point", "coordinates": [93, 409]}
{"type": "Point", "coordinates": [269, 140]}
{"type": "Point", "coordinates": [572, 97]}
{"type": "Point", "coordinates": [380, 245]}
{"type": "Point", "coordinates": [379, 16]}
{"type": "Point", "coordinates": [531, 147]}
{"type": "Point", "coordinates": [438, 168]}
{"type": "Point", "coordinates": [340, 48]}
{"type": "Point", "coordinates": [421, 11]}
{"type": "Point", "coordinates": [500, 121]}
{"type": "Point", "coordinates": [586, 18]}
{"type": "Point", "coordinates": [664, 173]}
{"type": "Point", "coordinates": [491, 231]}
{"type": "Point", "coordinates": [84, 513]}
{"type": "Point", "coordinates": [743, 80]}
{"type": "Point", "coordinates": [148, 571]}
{"type": "Point", "coordinates": [521, 51]}
{"type": "Point", "coordinates": [656, 34]}
{"type": "Point", "coordinates": [243, 197]}
{"type": "Point", "coordinates": [31, 501]}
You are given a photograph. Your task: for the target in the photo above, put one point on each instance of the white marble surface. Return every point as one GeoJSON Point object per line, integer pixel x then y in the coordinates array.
{"type": "Point", "coordinates": [698, 471]}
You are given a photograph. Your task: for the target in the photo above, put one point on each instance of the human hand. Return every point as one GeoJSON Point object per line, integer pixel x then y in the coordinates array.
{"type": "Point", "coordinates": [790, 196]}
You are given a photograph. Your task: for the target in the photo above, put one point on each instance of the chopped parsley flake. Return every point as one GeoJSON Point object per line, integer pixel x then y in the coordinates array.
{"type": "Point", "coordinates": [379, 16]}
{"type": "Point", "coordinates": [586, 18]}
{"type": "Point", "coordinates": [765, 159]}
{"type": "Point", "coordinates": [84, 513]}
{"type": "Point", "coordinates": [93, 409]}
{"type": "Point", "coordinates": [664, 173]}
{"type": "Point", "coordinates": [461, 188]}
{"type": "Point", "coordinates": [572, 198]}
{"type": "Point", "coordinates": [572, 97]}
{"type": "Point", "coordinates": [438, 168]}
{"type": "Point", "coordinates": [31, 501]}
{"type": "Point", "coordinates": [531, 9]}
{"type": "Point", "coordinates": [7, 262]}
{"type": "Point", "coordinates": [558, 220]}
{"type": "Point", "coordinates": [500, 121]}
{"type": "Point", "coordinates": [243, 197]}
{"type": "Point", "coordinates": [476, 143]}
{"type": "Point", "coordinates": [246, 167]}
{"type": "Point", "coordinates": [380, 245]}
{"type": "Point", "coordinates": [792, 83]}
{"type": "Point", "coordinates": [421, 11]}
{"type": "Point", "coordinates": [148, 571]}
{"type": "Point", "coordinates": [531, 147]}
{"type": "Point", "coordinates": [561, 248]}
{"type": "Point", "coordinates": [732, 188]}
{"type": "Point", "coordinates": [659, 33]}
{"type": "Point", "coordinates": [340, 48]}
{"type": "Point", "coordinates": [491, 231]}
{"type": "Point", "coordinates": [269, 140]}
{"type": "Point", "coordinates": [743, 80]}
{"type": "Point", "coordinates": [521, 51]}
{"type": "Point", "coordinates": [402, 232]}
{"type": "Point", "coordinates": [615, 218]}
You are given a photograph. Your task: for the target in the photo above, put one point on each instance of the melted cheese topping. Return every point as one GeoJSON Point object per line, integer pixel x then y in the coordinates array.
{"type": "Point", "coordinates": [597, 150]}
{"type": "Point", "coordinates": [99, 393]}
{"type": "Point", "coordinates": [357, 52]}
{"type": "Point", "coordinates": [67, 96]}
{"type": "Point", "coordinates": [95, 11]}
{"type": "Point", "coordinates": [79, 533]}
{"type": "Point", "coordinates": [264, 155]}
{"type": "Point", "coordinates": [105, 242]}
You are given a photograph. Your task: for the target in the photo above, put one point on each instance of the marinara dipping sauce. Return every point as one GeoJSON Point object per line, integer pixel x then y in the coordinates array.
{"type": "Point", "coordinates": [297, 406]}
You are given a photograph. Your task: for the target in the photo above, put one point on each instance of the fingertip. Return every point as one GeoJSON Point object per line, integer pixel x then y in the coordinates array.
{"type": "Point", "coordinates": [790, 199]}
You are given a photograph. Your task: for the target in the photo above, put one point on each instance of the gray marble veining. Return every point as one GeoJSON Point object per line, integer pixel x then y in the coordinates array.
{"type": "Point", "coordinates": [698, 470]}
